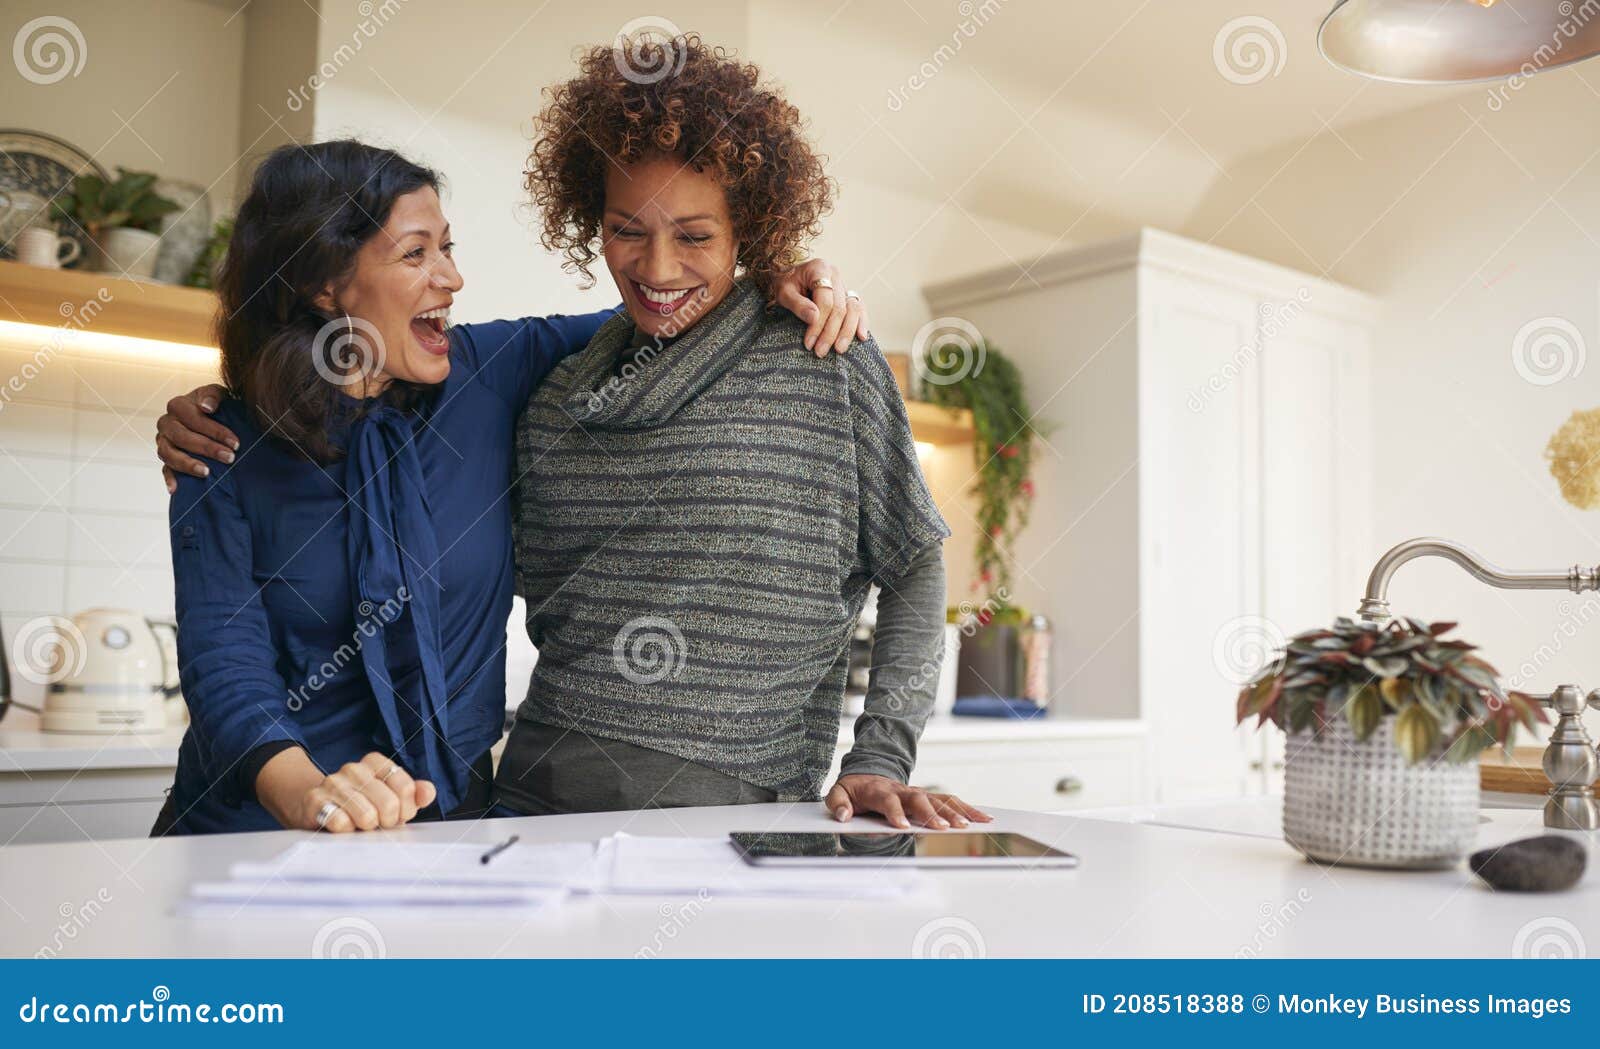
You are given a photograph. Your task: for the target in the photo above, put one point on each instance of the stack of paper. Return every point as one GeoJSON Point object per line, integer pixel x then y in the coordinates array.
{"type": "Point", "coordinates": [325, 873]}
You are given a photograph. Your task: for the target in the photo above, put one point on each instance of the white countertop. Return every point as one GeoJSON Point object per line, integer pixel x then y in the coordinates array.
{"type": "Point", "coordinates": [1142, 890]}
{"type": "Point", "coordinates": [25, 749]}
{"type": "Point", "coordinates": [947, 728]}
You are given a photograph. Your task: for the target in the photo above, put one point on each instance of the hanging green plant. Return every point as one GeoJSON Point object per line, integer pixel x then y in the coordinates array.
{"type": "Point", "coordinates": [981, 378]}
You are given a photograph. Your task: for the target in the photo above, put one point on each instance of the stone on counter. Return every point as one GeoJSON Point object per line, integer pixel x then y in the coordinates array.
{"type": "Point", "coordinates": [1548, 863]}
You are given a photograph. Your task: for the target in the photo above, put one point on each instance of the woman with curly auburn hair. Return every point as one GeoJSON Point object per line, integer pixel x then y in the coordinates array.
{"type": "Point", "coordinates": [700, 517]}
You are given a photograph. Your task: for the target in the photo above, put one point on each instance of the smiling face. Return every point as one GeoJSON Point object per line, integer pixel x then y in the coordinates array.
{"type": "Point", "coordinates": [404, 282]}
{"type": "Point", "coordinates": [668, 243]}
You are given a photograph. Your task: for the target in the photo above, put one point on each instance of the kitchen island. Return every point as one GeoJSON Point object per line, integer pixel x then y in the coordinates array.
{"type": "Point", "coordinates": [1210, 883]}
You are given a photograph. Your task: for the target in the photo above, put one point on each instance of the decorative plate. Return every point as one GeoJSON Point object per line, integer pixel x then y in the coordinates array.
{"type": "Point", "coordinates": [34, 163]}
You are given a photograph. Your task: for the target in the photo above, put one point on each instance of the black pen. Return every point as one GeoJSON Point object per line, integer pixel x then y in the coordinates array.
{"type": "Point", "coordinates": [498, 849]}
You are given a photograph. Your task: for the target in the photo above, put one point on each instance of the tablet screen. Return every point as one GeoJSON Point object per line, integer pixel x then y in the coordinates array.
{"type": "Point", "coordinates": [934, 848]}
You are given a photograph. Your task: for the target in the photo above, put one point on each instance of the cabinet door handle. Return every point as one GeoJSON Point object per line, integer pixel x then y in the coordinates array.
{"type": "Point", "coordinates": [1068, 785]}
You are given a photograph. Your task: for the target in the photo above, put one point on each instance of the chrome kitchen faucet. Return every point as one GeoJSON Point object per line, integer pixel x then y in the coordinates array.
{"type": "Point", "coordinates": [1570, 759]}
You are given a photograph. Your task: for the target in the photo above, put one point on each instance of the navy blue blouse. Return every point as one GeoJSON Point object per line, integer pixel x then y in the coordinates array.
{"type": "Point", "coordinates": [359, 605]}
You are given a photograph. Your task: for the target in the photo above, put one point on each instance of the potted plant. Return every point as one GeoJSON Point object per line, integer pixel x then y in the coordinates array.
{"type": "Point", "coordinates": [120, 218]}
{"type": "Point", "coordinates": [1383, 724]}
{"type": "Point", "coordinates": [990, 386]}
{"type": "Point", "coordinates": [980, 378]}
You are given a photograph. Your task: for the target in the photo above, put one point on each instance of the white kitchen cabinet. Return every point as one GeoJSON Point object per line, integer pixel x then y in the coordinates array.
{"type": "Point", "coordinates": [1203, 485]}
{"type": "Point", "coordinates": [1045, 765]}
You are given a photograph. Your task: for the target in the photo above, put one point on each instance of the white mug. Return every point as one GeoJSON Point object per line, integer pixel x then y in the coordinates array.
{"type": "Point", "coordinates": [38, 246]}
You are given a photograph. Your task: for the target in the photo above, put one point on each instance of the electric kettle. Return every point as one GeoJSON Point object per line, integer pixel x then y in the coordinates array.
{"type": "Point", "coordinates": [109, 674]}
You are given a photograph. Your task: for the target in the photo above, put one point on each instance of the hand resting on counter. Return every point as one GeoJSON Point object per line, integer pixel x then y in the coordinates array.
{"type": "Point", "coordinates": [899, 803]}
{"type": "Point", "coordinates": [371, 794]}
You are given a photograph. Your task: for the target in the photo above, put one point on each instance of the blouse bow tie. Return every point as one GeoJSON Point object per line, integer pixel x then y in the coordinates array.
{"type": "Point", "coordinates": [395, 555]}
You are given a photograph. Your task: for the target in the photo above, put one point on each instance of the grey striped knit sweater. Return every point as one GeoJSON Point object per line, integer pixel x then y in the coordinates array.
{"type": "Point", "coordinates": [695, 541]}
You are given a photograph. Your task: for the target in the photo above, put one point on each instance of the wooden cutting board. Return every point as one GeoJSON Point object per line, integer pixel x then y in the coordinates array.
{"type": "Point", "coordinates": [1522, 773]}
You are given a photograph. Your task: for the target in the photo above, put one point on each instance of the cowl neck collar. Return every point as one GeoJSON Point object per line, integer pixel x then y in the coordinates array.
{"type": "Point", "coordinates": [665, 379]}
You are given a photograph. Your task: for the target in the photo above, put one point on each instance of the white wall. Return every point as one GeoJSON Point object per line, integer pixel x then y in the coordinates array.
{"type": "Point", "coordinates": [82, 508]}
{"type": "Point", "coordinates": [1469, 219]}
{"type": "Point", "coordinates": [169, 68]}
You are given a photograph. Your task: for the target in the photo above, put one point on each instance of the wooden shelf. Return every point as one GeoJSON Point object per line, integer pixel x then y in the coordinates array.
{"type": "Point", "coordinates": [1522, 774]}
{"type": "Point", "coordinates": [937, 425]}
{"type": "Point", "coordinates": [35, 295]}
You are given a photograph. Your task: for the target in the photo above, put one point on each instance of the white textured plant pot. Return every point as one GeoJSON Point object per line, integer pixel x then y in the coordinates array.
{"type": "Point", "coordinates": [127, 252]}
{"type": "Point", "coordinates": [1359, 803]}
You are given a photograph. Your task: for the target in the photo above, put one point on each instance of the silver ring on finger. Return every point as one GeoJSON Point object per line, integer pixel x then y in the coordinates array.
{"type": "Point", "coordinates": [393, 768]}
{"type": "Point", "coordinates": [853, 295]}
{"type": "Point", "coordinates": [325, 813]}
{"type": "Point", "coordinates": [822, 282]}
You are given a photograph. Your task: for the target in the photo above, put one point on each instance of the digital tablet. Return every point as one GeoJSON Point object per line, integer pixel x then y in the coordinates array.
{"type": "Point", "coordinates": [942, 848]}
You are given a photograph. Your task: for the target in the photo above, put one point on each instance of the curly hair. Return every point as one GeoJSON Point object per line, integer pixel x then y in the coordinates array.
{"type": "Point", "coordinates": [683, 99]}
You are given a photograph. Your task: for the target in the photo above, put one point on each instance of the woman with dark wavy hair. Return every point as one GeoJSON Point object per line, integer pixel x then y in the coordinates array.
{"type": "Point", "coordinates": [342, 559]}
{"type": "Point", "coordinates": [700, 516]}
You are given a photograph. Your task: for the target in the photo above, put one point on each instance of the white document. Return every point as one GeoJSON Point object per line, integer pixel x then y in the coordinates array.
{"type": "Point", "coordinates": [670, 866]}
{"type": "Point", "coordinates": [442, 879]}
{"type": "Point", "coordinates": [370, 895]}
{"type": "Point", "coordinates": [551, 865]}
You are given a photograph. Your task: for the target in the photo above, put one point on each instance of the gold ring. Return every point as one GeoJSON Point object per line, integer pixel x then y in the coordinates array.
{"type": "Point", "coordinates": [823, 282]}
{"type": "Point", "coordinates": [385, 777]}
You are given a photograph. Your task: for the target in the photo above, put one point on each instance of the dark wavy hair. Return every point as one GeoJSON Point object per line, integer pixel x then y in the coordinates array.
{"type": "Point", "coordinates": [309, 211]}
{"type": "Point", "coordinates": [684, 99]}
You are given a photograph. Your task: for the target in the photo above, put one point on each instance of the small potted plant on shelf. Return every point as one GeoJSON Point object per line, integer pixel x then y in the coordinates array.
{"type": "Point", "coordinates": [1383, 723]}
{"type": "Point", "coordinates": [120, 218]}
